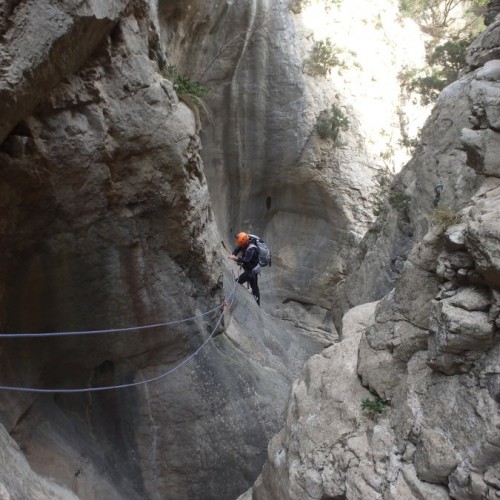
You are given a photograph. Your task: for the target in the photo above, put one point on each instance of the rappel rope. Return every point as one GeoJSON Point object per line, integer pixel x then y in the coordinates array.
{"type": "Point", "coordinates": [110, 330]}
{"type": "Point", "coordinates": [227, 303]}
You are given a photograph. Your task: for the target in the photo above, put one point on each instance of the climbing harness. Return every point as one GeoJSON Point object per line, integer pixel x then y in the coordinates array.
{"type": "Point", "coordinates": [224, 306]}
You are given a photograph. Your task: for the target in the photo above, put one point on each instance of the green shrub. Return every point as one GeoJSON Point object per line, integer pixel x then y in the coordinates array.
{"type": "Point", "coordinates": [375, 406]}
{"type": "Point", "coordinates": [410, 144]}
{"type": "Point", "coordinates": [298, 5]}
{"type": "Point", "coordinates": [385, 192]}
{"type": "Point", "coordinates": [323, 58]}
{"type": "Point", "coordinates": [383, 180]}
{"type": "Point", "coordinates": [445, 63]}
{"type": "Point", "coordinates": [183, 85]}
{"type": "Point", "coordinates": [452, 25]}
{"type": "Point", "coordinates": [330, 123]}
{"type": "Point", "coordinates": [446, 17]}
{"type": "Point", "coordinates": [190, 92]}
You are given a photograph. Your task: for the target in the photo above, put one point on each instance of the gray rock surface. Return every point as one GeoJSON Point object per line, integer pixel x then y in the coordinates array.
{"type": "Point", "coordinates": [42, 44]}
{"type": "Point", "coordinates": [310, 198]}
{"type": "Point", "coordinates": [304, 460]}
{"type": "Point", "coordinates": [18, 480]}
{"type": "Point", "coordinates": [110, 218]}
{"type": "Point", "coordinates": [430, 346]}
{"type": "Point", "coordinates": [107, 223]}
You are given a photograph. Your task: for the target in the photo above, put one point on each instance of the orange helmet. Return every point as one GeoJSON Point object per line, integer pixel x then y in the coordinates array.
{"type": "Point", "coordinates": [242, 239]}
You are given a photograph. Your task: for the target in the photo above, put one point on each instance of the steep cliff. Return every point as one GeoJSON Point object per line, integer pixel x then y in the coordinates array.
{"type": "Point", "coordinates": [112, 216]}
{"type": "Point", "coordinates": [429, 350]}
{"type": "Point", "coordinates": [310, 197]}
{"type": "Point", "coordinates": [106, 223]}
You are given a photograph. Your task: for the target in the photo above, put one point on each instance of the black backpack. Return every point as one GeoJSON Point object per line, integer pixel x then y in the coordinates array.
{"type": "Point", "coordinates": [264, 252]}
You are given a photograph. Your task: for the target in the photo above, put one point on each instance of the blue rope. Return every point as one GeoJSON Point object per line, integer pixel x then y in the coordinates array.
{"type": "Point", "coordinates": [131, 384]}
{"type": "Point", "coordinates": [110, 330]}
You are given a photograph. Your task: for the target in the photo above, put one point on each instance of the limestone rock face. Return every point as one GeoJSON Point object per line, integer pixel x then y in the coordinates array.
{"type": "Point", "coordinates": [19, 481]}
{"type": "Point", "coordinates": [439, 159]}
{"type": "Point", "coordinates": [430, 346]}
{"type": "Point", "coordinates": [309, 197]}
{"type": "Point", "coordinates": [42, 44]}
{"type": "Point", "coordinates": [106, 222]}
{"type": "Point", "coordinates": [304, 460]}
{"type": "Point", "coordinates": [435, 457]}
{"type": "Point", "coordinates": [111, 218]}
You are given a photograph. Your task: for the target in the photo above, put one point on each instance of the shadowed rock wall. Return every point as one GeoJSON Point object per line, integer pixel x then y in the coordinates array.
{"type": "Point", "coordinates": [430, 346]}
{"type": "Point", "coordinates": [106, 222]}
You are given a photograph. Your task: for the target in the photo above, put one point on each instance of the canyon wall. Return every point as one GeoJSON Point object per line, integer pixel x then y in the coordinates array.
{"type": "Point", "coordinates": [424, 358]}
{"type": "Point", "coordinates": [107, 223]}
{"type": "Point", "coordinates": [116, 192]}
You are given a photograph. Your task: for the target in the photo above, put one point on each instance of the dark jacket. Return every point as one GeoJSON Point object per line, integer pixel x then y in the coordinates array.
{"type": "Point", "coordinates": [249, 258]}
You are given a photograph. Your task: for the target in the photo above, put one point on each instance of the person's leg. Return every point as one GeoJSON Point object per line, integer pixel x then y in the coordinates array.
{"type": "Point", "coordinates": [255, 288]}
{"type": "Point", "coordinates": [243, 278]}
{"type": "Point", "coordinates": [252, 281]}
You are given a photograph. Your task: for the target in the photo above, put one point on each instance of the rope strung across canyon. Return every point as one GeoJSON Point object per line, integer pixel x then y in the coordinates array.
{"type": "Point", "coordinates": [227, 303]}
{"type": "Point", "coordinates": [109, 330]}
{"type": "Point", "coordinates": [113, 330]}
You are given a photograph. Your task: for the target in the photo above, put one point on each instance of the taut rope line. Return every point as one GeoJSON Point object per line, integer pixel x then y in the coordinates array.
{"type": "Point", "coordinates": [110, 330]}
{"type": "Point", "coordinates": [230, 299]}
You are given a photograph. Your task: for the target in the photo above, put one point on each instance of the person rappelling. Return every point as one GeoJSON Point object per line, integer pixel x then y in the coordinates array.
{"type": "Point", "coordinates": [246, 254]}
{"type": "Point", "coordinates": [252, 254]}
{"type": "Point", "coordinates": [438, 187]}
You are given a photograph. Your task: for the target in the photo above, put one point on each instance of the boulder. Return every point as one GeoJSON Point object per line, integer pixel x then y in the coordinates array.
{"type": "Point", "coordinates": [435, 457]}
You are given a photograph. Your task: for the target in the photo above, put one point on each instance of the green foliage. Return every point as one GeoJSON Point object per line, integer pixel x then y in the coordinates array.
{"type": "Point", "coordinates": [323, 58]}
{"type": "Point", "coordinates": [298, 5]}
{"type": "Point", "coordinates": [330, 123]}
{"type": "Point", "coordinates": [452, 24]}
{"type": "Point", "coordinates": [450, 56]}
{"type": "Point", "coordinates": [183, 85]}
{"type": "Point", "coordinates": [385, 192]}
{"type": "Point", "coordinates": [429, 86]}
{"type": "Point", "coordinates": [445, 62]}
{"type": "Point", "coordinates": [399, 200]}
{"type": "Point", "coordinates": [383, 180]}
{"type": "Point", "coordinates": [410, 143]}
{"type": "Point", "coordinates": [441, 18]}
{"type": "Point", "coordinates": [375, 406]}
{"type": "Point", "coordinates": [189, 91]}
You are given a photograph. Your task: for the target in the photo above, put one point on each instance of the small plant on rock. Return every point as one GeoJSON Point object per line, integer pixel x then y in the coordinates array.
{"type": "Point", "coordinates": [444, 64]}
{"type": "Point", "coordinates": [330, 123]}
{"type": "Point", "coordinates": [375, 406]}
{"type": "Point", "coordinates": [409, 143]}
{"type": "Point", "coordinates": [383, 179]}
{"type": "Point", "coordinates": [189, 91]}
{"type": "Point", "coordinates": [399, 200]}
{"type": "Point", "coordinates": [298, 5]}
{"type": "Point", "coordinates": [183, 85]}
{"type": "Point", "coordinates": [323, 58]}
{"type": "Point", "coordinates": [386, 192]}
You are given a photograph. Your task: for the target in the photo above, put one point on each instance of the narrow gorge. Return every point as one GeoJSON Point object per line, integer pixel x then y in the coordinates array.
{"type": "Point", "coordinates": [146, 372]}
